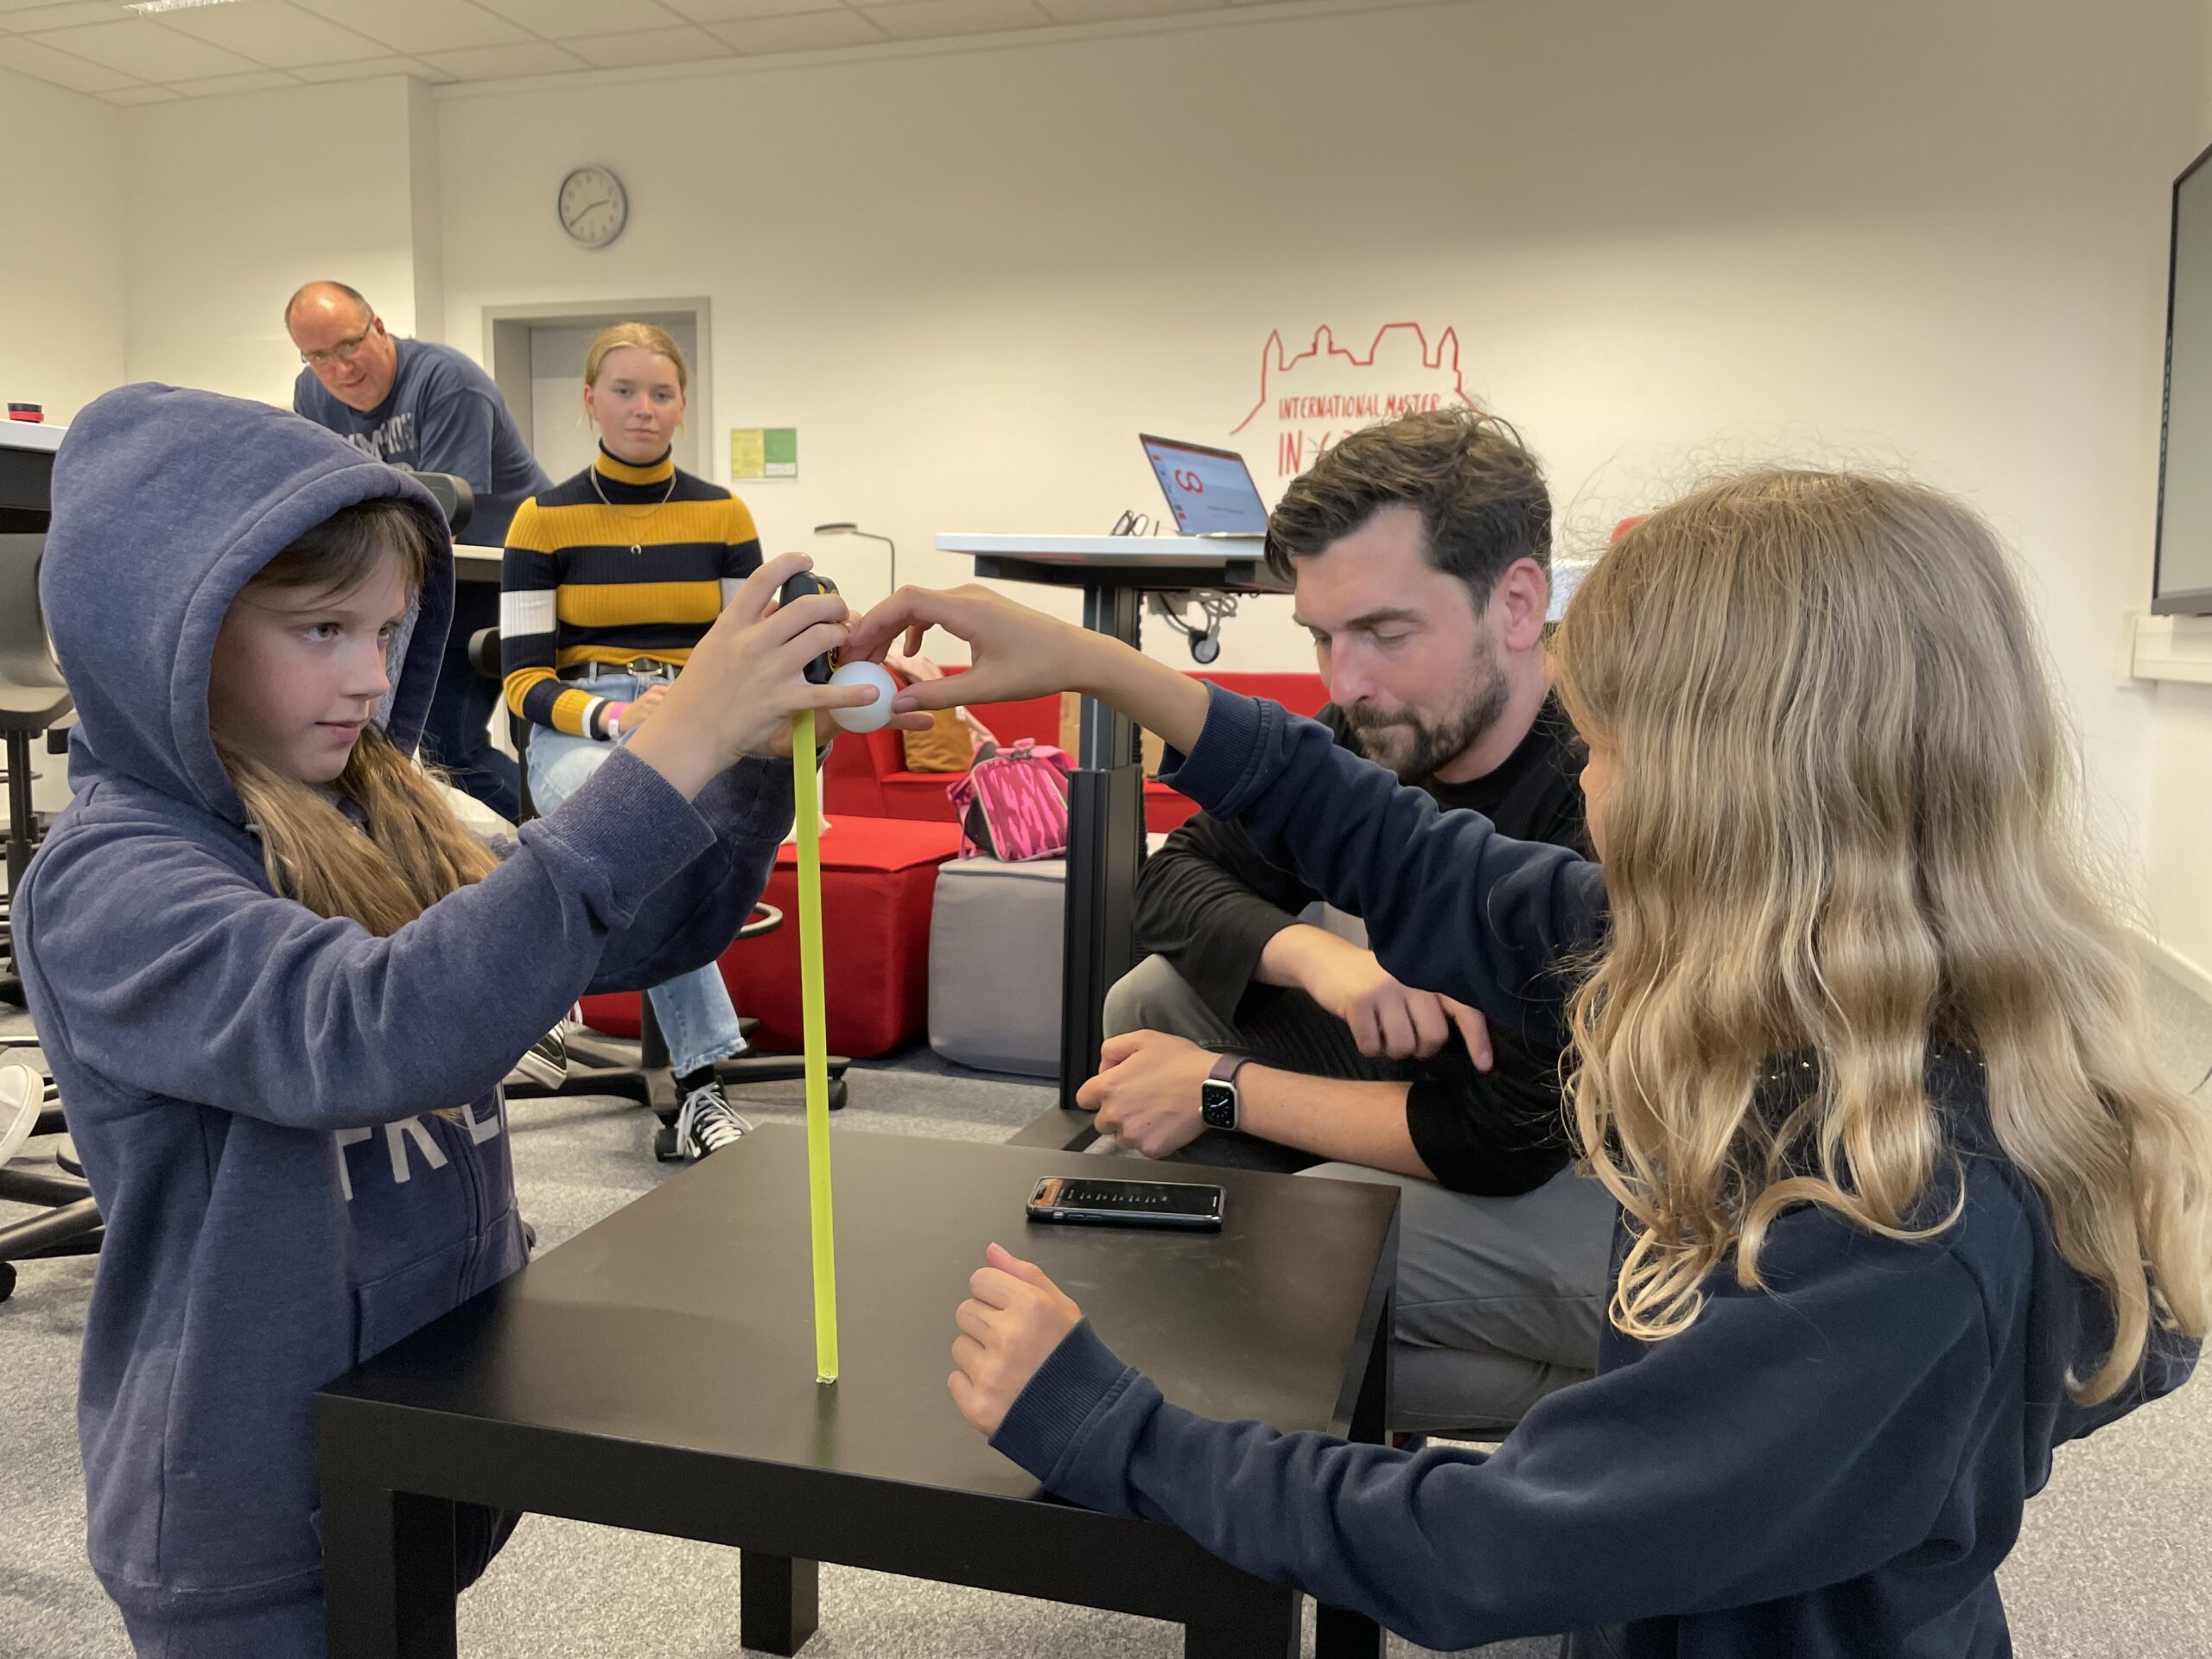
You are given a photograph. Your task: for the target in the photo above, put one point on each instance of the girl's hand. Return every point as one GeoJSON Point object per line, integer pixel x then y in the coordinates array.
{"type": "Point", "coordinates": [1018, 653]}
{"type": "Point", "coordinates": [634, 716]}
{"type": "Point", "coordinates": [1013, 1317]}
{"type": "Point", "coordinates": [746, 680]}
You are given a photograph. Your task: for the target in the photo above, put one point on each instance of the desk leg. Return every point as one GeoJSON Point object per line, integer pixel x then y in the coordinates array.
{"type": "Point", "coordinates": [778, 1601]}
{"type": "Point", "coordinates": [1339, 1633]}
{"type": "Point", "coordinates": [23, 829]}
{"type": "Point", "coordinates": [1267, 1628]}
{"type": "Point", "coordinates": [387, 1573]}
{"type": "Point", "coordinates": [1105, 853]}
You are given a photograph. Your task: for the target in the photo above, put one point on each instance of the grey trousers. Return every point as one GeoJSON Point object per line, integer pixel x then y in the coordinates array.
{"type": "Point", "coordinates": [1499, 1301]}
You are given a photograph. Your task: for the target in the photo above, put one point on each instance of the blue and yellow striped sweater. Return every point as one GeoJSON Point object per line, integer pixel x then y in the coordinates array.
{"type": "Point", "coordinates": [572, 594]}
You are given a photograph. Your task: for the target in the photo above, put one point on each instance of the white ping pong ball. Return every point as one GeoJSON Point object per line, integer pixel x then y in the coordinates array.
{"type": "Point", "coordinates": [869, 717]}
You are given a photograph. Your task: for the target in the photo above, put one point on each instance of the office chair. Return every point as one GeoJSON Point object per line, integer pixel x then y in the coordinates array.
{"type": "Point", "coordinates": [639, 1072]}
{"type": "Point", "coordinates": [71, 1224]}
{"type": "Point", "coordinates": [34, 701]}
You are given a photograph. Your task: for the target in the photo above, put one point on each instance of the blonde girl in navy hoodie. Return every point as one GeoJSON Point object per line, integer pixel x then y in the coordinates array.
{"type": "Point", "coordinates": [1856, 1046]}
{"type": "Point", "coordinates": [279, 982]}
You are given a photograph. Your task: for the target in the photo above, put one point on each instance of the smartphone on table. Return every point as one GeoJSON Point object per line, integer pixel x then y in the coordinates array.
{"type": "Point", "coordinates": [1088, 1201]}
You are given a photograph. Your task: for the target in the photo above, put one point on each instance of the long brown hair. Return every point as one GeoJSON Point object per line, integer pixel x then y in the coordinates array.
{"type": "Point", "coordinates": [408, 850]}
{"type": "Point", "coordinates": [1845, 817]}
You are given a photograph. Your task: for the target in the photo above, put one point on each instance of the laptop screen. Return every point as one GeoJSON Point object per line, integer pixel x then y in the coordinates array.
{"type": "Point", "coordinates": [1209, 491]}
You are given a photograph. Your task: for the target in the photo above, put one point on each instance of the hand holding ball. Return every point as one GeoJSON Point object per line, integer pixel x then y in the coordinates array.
{"type": "Point", "coordinates": [871, 716]}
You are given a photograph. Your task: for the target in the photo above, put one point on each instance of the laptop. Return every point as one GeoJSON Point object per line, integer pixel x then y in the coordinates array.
{"type": "Point", "coordinates": [1209, 491]}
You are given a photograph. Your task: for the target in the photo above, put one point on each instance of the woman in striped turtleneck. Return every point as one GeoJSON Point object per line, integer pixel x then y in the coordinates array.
{"type": "Point", "coordinates": [611, 577]}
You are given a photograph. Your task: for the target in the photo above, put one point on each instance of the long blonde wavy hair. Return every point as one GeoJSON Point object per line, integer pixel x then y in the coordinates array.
{"type": "Point", "coordinates": [410, 850]}
{"type": "Point", "coordinates": [1845, 815]}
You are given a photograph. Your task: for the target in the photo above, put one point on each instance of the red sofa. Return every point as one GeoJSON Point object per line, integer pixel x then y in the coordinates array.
{"type": "Point", "coordinates": [879, 882]}
{"type": "Point", "coordinates": [866, 775]}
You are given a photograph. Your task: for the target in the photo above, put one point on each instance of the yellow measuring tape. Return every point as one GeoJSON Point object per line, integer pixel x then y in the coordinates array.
{"type": "Point", "coordinates": [814, 1028]}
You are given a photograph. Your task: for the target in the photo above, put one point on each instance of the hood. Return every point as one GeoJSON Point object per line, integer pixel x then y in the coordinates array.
{"type": "Point", "coordinates": [166, 502]}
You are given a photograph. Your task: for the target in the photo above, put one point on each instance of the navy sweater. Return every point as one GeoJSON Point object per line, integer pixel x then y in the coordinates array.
{"type": "Point", "coordinates": [296, 1130]}
{"type": "Point", "coordinates": [1834, 1466]}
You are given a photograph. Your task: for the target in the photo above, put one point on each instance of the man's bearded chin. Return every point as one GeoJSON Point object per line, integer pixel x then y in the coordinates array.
{"type": "Point", "coordinates": [1414, 748]}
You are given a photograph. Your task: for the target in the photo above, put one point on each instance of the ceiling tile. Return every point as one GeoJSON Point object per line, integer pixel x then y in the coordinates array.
{"type": "Point", "coordinates": [419, 26]}
{"type": "Point", "coordinates": [929, 20]}
{"type": "Point", "coordinates": [648, 46]}
{"type": "Point", "coordinates": [142, 47]}
{"type": "Point", "coordinates": [505, 63]}
{"type": "Point", "coordinates": [141, 95]}
{"type": "Point", "coordinates": [272, 32]}
{"type": "Point", "coordinates": [260, 80]}
{"type": "Point", "coordinates": [367, 69]}
{"type": "Point", "coordinates": [558, 20]}
{"type": "Point", "coordinates": [729, 11]}
{"type": "Point", "coordinates": [44, 14]}
{"type": "Point", "coordinates": [27, 56]}
{"type": "Point", "coordinates": [1102, 11]}
{"type": "Point", "coordinates": [814, 31]}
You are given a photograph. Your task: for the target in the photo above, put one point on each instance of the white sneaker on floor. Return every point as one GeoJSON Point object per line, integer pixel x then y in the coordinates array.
{"type": "Point", "coordinates": [707, 1123]}
{"type": "Point", "coordinates": [23, 1094]}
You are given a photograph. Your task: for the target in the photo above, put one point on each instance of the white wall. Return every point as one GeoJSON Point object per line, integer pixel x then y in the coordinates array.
{"type": "Point", "coordinates": [61, 275]}
{"type": "Point", "coordinates": [1664, 235]}
{"type": "Point", "coordinates": [1663, 238]}
{"type": "Point", "coordinates": [235, 201]}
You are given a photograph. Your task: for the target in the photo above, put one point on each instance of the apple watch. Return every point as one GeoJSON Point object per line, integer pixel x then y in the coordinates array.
{"type": "Point", "coordinates": [1218, 1094]}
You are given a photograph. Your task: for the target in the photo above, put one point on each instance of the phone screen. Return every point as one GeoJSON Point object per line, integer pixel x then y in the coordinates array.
{"type": "Point", "coordinates": [1141, 1197]}
{"type": "Point", "coordinates": [1107, 1203]}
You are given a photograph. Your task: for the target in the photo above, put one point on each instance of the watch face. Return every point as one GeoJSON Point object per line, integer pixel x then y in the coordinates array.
{"type": "Point", "coordinates": [1218, 1104]}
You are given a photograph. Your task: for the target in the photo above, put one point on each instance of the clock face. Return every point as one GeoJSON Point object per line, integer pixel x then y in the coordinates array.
{"type": "Point", "coordinates": [592, 206]}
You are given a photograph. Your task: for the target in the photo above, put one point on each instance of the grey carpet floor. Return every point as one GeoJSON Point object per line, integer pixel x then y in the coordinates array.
{"type": "Point", "coordinates": [2115, 1558]}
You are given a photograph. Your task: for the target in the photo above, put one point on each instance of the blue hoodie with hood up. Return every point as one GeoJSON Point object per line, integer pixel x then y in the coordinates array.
{"type": "Point", "coordinates": [295, 1130]}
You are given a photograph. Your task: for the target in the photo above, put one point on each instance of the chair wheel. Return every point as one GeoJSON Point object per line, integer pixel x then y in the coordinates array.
{"type": "Point", "coordinates": [6, 1279]}
{"type": "Point", "coordinates": [836, 1094]}
{"type": "Point", "coordinates": [664, 1147]}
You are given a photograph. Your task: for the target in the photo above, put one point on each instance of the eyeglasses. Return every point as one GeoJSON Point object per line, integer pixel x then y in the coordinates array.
{"type": "Point", "coordinates": [344, 352]}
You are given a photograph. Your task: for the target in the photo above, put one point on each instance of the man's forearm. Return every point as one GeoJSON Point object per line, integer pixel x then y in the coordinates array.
{"type": "Point", "coordinates": [1292, 957]}
{"type": "Point", "coordinates": [1348, 1122]}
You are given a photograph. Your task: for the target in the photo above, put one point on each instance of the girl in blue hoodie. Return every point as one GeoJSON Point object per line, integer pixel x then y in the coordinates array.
{"type": "Point", "coordinates": [1905, 1202]}
{"type": "Point", "coordinates": [279, 982]}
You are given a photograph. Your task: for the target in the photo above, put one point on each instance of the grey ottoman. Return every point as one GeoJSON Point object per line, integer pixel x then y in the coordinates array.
{"type": "Point", "coordinates": [995, 936]}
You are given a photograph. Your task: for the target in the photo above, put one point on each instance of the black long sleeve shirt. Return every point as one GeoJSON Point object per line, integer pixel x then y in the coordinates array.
{"type": "Point", "coordinates": [1209, 902]}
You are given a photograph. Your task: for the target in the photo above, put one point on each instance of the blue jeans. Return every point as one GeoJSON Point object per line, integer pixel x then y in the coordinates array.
{"type": "Point", "coordinates": [694, 1009]}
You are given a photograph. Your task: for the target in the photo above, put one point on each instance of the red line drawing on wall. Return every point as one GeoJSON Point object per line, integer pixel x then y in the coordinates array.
{"type": "Point", "coordinates": [1443, 357]}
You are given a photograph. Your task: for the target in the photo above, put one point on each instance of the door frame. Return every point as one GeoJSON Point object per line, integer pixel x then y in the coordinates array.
{"type": "Point", "coordinates": [506, 355]}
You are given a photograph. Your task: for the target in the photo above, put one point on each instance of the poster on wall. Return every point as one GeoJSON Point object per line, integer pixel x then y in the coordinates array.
{"type": "Point", "coordinates": [1311, 398]}
{"type": "Point", "coordinates": [763, 451]}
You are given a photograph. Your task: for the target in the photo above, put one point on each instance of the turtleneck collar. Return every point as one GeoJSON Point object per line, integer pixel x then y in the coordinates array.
{"type": "Point", "coordinates": [608, 465]}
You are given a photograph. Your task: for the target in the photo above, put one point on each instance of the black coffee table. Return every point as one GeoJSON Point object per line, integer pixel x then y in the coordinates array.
{"type": "Point", "coordinates": [657, 1372]}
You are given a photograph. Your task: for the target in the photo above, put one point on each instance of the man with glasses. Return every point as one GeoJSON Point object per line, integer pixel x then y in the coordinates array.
{"type": "Point", "coordinates": [416, 403]}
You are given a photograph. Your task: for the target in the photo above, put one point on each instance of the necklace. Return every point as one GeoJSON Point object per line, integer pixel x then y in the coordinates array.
{"type": "Point", "coordinates": [631, 512]}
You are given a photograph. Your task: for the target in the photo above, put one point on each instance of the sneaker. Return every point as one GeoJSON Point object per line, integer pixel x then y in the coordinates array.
{"type": "Point", "coordinates": [23, 1095]}
{"type": "Point", "coordinates": [545, 1062]}
{"type": "Point", "coordinates": [707, 1123]}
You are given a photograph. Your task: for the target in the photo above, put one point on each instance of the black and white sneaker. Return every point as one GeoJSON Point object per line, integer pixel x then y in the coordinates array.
{"type": "Point", "coordinates": [23, 1094]}
{"type": "Point", "coordinates": [707, 1122]}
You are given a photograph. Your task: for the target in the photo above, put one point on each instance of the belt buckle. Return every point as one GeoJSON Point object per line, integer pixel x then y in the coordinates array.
{"type": "Point", "coordinates": [647, 668]}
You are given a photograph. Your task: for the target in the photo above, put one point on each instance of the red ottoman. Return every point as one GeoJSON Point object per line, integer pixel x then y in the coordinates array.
{"type": "Point", "coordinates": [879, 878]}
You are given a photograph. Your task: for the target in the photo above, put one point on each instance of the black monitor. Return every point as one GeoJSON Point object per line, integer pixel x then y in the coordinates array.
{"type": "Point", "coordinates": [25, 488]}
{"type": "Point", "coordinates": [2181, 580]}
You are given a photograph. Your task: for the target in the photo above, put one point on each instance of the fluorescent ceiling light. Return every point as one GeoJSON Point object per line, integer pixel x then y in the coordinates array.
{"type": "Point", "coordinates": [147, 8]}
